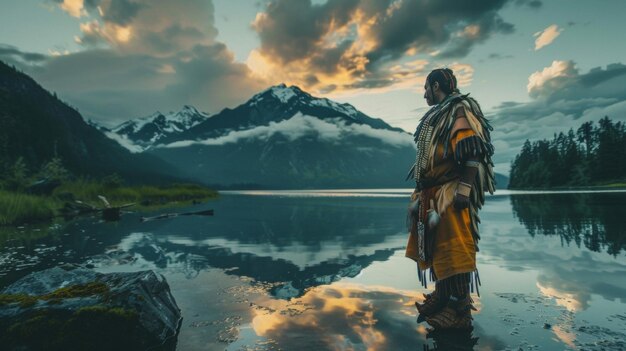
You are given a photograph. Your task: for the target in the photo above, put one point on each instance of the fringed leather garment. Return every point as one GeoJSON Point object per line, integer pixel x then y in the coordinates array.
{"type": "Point", "coordinates": [442, 148]}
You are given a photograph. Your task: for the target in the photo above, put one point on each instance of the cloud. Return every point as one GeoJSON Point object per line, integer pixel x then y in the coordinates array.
{"type": "Point", "coordinates": [562, 96]}
{"type": "Point", "coordinates": [74, 8]}
{"type": "Point", "coordinates": [547, 36]}
{"type": "Point", "coordinates": [298, 126]}
{"type": "Point", "coordinates": [13, 55]}
{"type": "Point", "coordinates": [464, 73]}
{"type": "Point", "coordinates": [497, 56]}
{"type": "Point", "coordinates": [354, 44]}
{"type": "Point", "coordinates": [141, 56]}
{"type": "Point", "coordinates": [554, 77]}
{"type": "Point", "coordinates": [534, 4]}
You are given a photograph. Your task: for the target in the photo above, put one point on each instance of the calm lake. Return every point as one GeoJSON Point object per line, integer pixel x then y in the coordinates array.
{"type": "Point", "coordinates": [325, 270]}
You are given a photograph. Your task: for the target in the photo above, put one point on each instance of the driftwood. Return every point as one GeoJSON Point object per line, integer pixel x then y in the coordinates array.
{"type": "Point", "coordinates": [79, 208]}
{"type": "Point", "coordinates": [172, 215]}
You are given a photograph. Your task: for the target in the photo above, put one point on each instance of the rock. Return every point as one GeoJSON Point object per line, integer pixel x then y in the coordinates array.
{"type": "Point", "coordinates": [74, 308]}
{"type": "Point", "coordinates": [43, 187]}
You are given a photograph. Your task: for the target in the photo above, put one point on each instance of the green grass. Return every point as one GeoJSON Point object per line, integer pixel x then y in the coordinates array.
{"type": "Point", "coordinates": [18, 208]}
{"type": "Point", "coordinates": [143, 195]}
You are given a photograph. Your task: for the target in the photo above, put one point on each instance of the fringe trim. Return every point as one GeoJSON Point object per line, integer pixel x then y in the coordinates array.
{"type": "Point", "coordinates": [470, 147]}
{"type": "Point", "coordinates": [458, 284]}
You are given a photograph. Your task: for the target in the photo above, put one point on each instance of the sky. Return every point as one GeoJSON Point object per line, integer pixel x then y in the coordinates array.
{"type": "Point", "coordinates": [537, 67]}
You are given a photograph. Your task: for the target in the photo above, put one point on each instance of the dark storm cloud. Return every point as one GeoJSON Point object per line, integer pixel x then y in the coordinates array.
{"type": "Point", "coordinates": [431, 25]}
{"type": "Point", "coordinates": [121, 11]}
{"type": "Point", "coordinates": [170, 59]}
{"type": "Point", "coordinates": [292, 29]}
{"type": "Point", "coordinates": [212, 76]}
{"type": "Point", "coordinates": [168, 39]}
{"type": "Point", "coordinates": [356, 39]}
{"type": "Point", "coordinates": [601, 83]}
{"type": "Point", "coordinates": [461, 45]}
{"type": "Point", "coordinates": [116, 11]}
{"type": "Point", "coordinates": [12, 54]}
{"type": "Point", "coordinates": [111, 87]}
{"type": "Point", "coordinates": [598, 75]}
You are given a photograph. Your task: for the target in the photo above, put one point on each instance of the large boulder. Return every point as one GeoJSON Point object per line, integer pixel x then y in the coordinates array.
{"type": "Point", "coordinates": [74, 308]}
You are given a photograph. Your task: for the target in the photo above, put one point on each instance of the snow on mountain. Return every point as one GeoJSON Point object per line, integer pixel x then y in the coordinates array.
{"type": "Point", "coordinates": [345, 108]}
{"type": "Point", "coordinates": [142, 133]}
{"type": "Point", "coordinates": [285, 95]}
{"type": "Point", "coordinates": [300, 125]}
{"type": "Point", "coordinates": [281, 109]}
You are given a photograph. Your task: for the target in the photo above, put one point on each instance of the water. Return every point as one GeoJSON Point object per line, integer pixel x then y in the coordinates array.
{"type": "Point", "coordinates": [325, 270]}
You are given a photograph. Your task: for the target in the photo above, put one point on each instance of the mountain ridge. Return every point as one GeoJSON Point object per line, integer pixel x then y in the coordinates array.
{"type": "Point", "coordinates": [37, 127]}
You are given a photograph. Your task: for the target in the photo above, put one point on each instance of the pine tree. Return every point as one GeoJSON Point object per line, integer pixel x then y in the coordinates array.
{"type": "Point", "coordinates": [54, 169]}
{"type": "Point", "coordinates": [591, 155]}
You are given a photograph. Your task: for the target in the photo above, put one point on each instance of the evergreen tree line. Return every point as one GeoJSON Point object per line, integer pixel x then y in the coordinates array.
{"type": "Point", "coordinates": [594, 154]}
{"type": "Point", "coordinates": [18, 177]}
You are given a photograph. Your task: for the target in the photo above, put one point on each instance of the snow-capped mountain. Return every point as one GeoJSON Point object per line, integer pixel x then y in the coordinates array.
{"type": "Point", "coordinates": [274, 105]}
{"type": "Point", "coordinates": [283, 137]}
{"type": "Point", "coordinates": [142, 133]}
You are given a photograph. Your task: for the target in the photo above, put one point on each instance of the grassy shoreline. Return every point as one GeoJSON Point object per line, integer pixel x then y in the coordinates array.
{"type": "Point", "coordinates": [18, 208]}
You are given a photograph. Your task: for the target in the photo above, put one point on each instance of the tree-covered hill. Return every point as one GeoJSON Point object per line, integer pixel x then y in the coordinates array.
{"type": "Point", "coordinates": [36, 127]}
{"type": "Point", "coordinates": [594, 154]}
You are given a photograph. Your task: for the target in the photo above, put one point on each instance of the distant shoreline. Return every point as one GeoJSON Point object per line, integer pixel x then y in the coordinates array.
{"type": "Point", "coordinates": [399, 192]}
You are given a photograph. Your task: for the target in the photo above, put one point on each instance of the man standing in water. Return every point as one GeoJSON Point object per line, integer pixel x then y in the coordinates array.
{"type": "Point", "coordinates": [453, 169]}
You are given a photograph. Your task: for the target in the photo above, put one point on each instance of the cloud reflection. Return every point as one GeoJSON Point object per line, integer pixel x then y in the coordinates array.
{"type": "Point", "coordinates": [346, 316]}
{"type": "Point", "coordinates": [342, 316]}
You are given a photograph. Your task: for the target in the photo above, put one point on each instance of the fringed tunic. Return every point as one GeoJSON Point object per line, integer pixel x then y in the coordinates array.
{"type": "Point", "coordinates": [459, 131]}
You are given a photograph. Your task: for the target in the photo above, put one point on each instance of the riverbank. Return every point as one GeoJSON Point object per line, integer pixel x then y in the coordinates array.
{"type": "Point", "coordinates": [18, 208]}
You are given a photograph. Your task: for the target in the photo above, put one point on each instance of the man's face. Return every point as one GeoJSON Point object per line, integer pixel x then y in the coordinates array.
{"type": "Point", "coordinates": [428, 94]}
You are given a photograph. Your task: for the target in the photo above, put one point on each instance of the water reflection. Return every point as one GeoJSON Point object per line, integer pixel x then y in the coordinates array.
{"type": "Point", "coordinates": [332, 274]}
{"type": "Point", "coordinates": [594, 220]}
{"type": "Point", "coordinates": [289, 242]}
{"type": "Point", "coordinates": [287, 279]}
{"type": "Point", "coordinates": [346, 316]}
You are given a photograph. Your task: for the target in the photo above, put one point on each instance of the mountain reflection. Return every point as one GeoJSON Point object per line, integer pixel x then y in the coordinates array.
{"type": "Point", "coordinates": [594, 220]}
{"type": "Point", "coordinates": [286, 278]}
{"type": "Point", "coordinates": [290, 243]}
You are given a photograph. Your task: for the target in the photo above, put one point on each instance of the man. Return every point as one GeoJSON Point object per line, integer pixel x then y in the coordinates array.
{"type": "Point", "coordinates": [452, 171]}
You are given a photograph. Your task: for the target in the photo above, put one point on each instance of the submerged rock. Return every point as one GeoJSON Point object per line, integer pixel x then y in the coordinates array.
{"type": "Point", "coordinates": [74, 308]}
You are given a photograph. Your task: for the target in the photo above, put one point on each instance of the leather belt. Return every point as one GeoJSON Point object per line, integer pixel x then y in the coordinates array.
{"type": "Point", "coordinates": [430, 182]}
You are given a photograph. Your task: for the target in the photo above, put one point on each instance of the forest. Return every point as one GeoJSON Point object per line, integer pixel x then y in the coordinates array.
{"type": "Point", "coordinates": [592, 155]}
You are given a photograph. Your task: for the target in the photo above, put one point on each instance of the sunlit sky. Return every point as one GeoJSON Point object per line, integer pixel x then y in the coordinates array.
{"type": "Point", "coordinates": [536, 67]}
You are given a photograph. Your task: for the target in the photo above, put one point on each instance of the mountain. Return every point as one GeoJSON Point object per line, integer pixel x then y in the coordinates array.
{"type": "Point", "coordinates": [285, 138]}
{"type": "Point", "coordinates": [141, 133]}
{"type": "Point", "coordinates": [276, 104]}
{"type": "Point", "coordinates": [37, 126]}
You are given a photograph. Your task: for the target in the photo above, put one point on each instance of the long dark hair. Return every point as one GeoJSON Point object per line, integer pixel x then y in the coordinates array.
{"type": "Point", "coordinates": [446, 79]}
